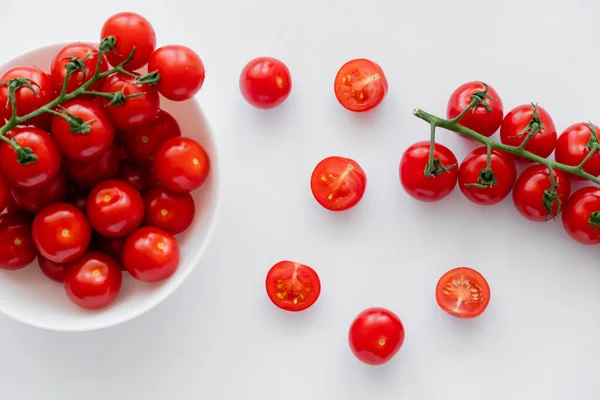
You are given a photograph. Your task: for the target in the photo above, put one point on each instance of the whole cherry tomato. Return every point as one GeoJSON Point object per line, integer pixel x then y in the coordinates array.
{"type": "Point", "coordinates": [338, 183]}
{"type": "Point", "coordinates": [463, 293]}
{"type": "Point", "coordinates": [581, 215]}
{"type": "Point", "coordinates": [481, 120]}
{"type": "Point", "coordinates": [77, 53]}
{"type": "Point", "coordinates": [172, 212]}
{"type": "Point", "coordinates": [89, 173]}
{"type": "Point", "coordinates": [36, 198]}
{"type": "Point", "coordinates": [53, 270]}
{"type": "Point", "coordinates": [138, 177]}
{"type": "Point", "coordinates": [18, 250]}
{"type": "Point", "coordinates": [573, 146]}
{"type": "Point", "coordinates": [265, 82]}
{"type": "Point", "coordinates": [360, 85]}
{"type": "Point", "coordinates": [181, 164]}
{"type": "Point", "coordinates": [151, 254]}
{"type": "Point", "coordinates": [77, 197]}
{"type": "Point", "coordinates": [442, 179]}
{"type": "Point", "coordinates": [181, 72]}
{"type": "Point", "coordinates": [26, 100]}
{"type": "Point", "coordinates": [130, 30]}
{"type": "Point", "coordinates": [111, 246]}
{"type": "Point", "coordinates": [292, 286]}
{"type": "Point", "coordinates": [5, 195]}
{"type": "Point", "coordinates": [517, 124]}
{"type": "Point", "coordinates": [376, 335]}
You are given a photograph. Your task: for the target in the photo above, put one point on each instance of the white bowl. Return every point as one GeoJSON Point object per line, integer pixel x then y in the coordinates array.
{"type": "Point", "coordinates": [28, 296]}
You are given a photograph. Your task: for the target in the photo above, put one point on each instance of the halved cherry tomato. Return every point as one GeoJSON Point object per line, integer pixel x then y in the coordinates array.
{"type": "Point", "coordinates": [581, 216]}
{"type": "Point", "coordinates": [265, 82]}
{"type": "Point", "coordinates": [53, 270]}
{"type": "Point", "coordinates": [338, 183]}
{"type": "Point", "coordinates": [516, 126]}
{"type": "Point", "coordinates": [360, 85]}
{"type": "Point", "coordinates": [463, 293]}
{"type": "Point", "coordinates": [130, 30]}
{"type": "Point", "coordinates": [36, 198]}
{"type": "Point", "coordinates": [181, 71]}
{"type": "Point", "coordinates": [481, 120]}
{"type": "Point", "coordinates": [77, 52]}
{"type": "Point", "coordinates": [573, 146]}
{"type": "Point", "coordinates": [532, 195]}
{"type": "Point", "coordinates": [376, 335]}
{"type": "Point", "coordinates": [292, 286]}
{"type": "Point", "coordinates": [16, 242]}
{"type": "Point", "coordinates": [181, 164]}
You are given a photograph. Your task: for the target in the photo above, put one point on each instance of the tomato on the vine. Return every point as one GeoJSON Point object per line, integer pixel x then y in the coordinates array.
{"type": "Point", "coordinates": [130, 30]}
{"type": "Point", "coordinates": [463, 293]}
{"type": "Point", "coordinates": [181, 164]}
{"type": "Point", "coordinates": [492, 189]}
{"type": "Point", "coordinates": [338, 183]}
{"type": "Point", "coordinates": [80, 53]}
{"type": "Point", "coordinates": [533, 196]}
{"type": "Point", "coordinates": [26, 100]}
{"type": "Point", "coordinates": [36, 198]}
{"type": "Point", "coordinates": [442, 179]}
{"type": "Point", "coordinates": [151, 254]}
{"type": "Point", "coordinates": [292, 286]}
{"type": "Point", "coordinates": [137, 176]}
{"type": "Point", "coordinates": [172, 212]}
{"type": "Point", "coordinates": [581, 215]}
{"type": "Point", "coordinates": [376, 335]}
{"type": "Point", "coordinates": [517, 124]}
{"type": "Point", "coordinates": [360, 85]}
{"type": "Point", "coordinates": [480, 120]}
{"type": "Point", "coordinates": [16, 242]}
{"type": "Point", "coordinates": [181, 71]}
{"type": "Point", "coordinates": [5, 195]}
{"type": "Point", "coordinates": [265, 82]}
{"type": "Point", "coordinates": [574, 145]}
{"type": "Point", "coordinates": [88, 173]}
{"type": "Point", "coordinates": [53, 270]}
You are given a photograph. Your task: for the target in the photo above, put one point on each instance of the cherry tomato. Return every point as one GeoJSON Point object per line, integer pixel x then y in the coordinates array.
{"type": "Point", "coordinates": [82, 51]}
{"type": "Point", "coordinates": [292, 286]}
{"type": "Point", "coordinates": [376, 335]}
{"type": "Point", "coordinates": [61, 232]}
{"type": "Point", "coordinates": [27, 100]}
{"type": "Point", "coordinates": [111, 246]}
{"type": "Point", "coordinates": [130, 30]}
{"type": "Point", "coordinates": [412, 172]}
{"type": "Point", "coordinates": [5, 195]}
{"type": "Point", "coordinates": [141, 144]}
{"type": "Point", "coordinates": [36, 198]}
{"type": "Point", "coordinates": [360, 85]}
{"type": "Point", "coordinates": [89, 173]}
{"type": "Point", "coordinates": [581, 215]}
{"type": "Point", "coordinates": [136, 111]}
{"type": "Point", "coordinates": [515, 128]}
{"type": "Point", "coordinates": [12, 205]}
{"type": "Point", "coordinates": [172, 212]}
{"type": "Point", "coordinates": [93, 281]}
{"type": "Point", "coordinates": [463, 293]}
{"type": "Point", "coordinates": [53, 270]}
{"type": "Point", "coordinates": [18, 250]}
{"type": "Point", "coordinates": [338, 183]}
{"type": "Point", "coordinates": [43, 170]}
{"type": "Point", "coordinates": [571, 149]}
{"type": "Point", "coordinates": [265, 82]}
{"type": "Point", "coordinates": [504, 170]}
{"type": "Point", "coordinates": [138, 177]}
{"type": "Point", "coordinates": [114, 208]}
{"type": "Point", "coordinates": [532, 195]}
{"type": "Point", "coordinates": [77, 197]}
{"type": "Point", "coordinates": [181, 164]}
{"type": "Point", "coordinates": [151, 254]}
{"type": "Point", "coordinates": [83, 145]}
{"type": "Point", "coordinates": [480, 121]}
{"type": "Point", "coordinates": [181, 72]}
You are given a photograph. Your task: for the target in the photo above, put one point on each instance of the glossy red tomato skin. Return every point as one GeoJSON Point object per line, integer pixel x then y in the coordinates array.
{"type": "Point", "coordinates": [360, 85]}
{"type": "Point", "coordinates": [516, 121]}
{"type": "Point", "coordinates": [412, 172]}
{"type": "Point", "coordinates": [114, 208]}
{"type": "Point", "coordinates": [141, 144]}
{"type": "Point", "coordinates": [265, 82]}
{"type": "Point", "coordinates": [137, 176]}
{"type": "Point", "coordinates": [16, 242]}
{"type": "Point", "coordinates": [458, 283]}
{"type": "Point", "coordinates": [571, 149]}
{"type": "Point", "coordinates": [26, 100]}
{"type": "Point", "coordinates": [5, 195]}
{"type": "Point", "coordinates": [481, 121]}
{"type": "Point", "coordinates": [34, 199]}
{"type": "Point", "coordinates": [338, 183]}
{"type": "Point", "coordinates": [93, 281]}
{"type": "Point", "coordinates": [172, 212]}
{"type": "Point", "coordinates": [61, 232]}
{"type": "Point", "coordinates": [503, 167]}
{"type": "Point", "coordinates": [58, 72]}
{"type": "Point", "coordinates": [181, 165]}
{"type": "Point", "coordinates": [45, 169]}
{"type": "Point", "coordinates": [376, 336]}
{"type": "Point", "coordinates": [83, 146]}
{"type": "Point", "coordinates": [181, 72]}
{"type": "Point", "coordinates": [151, 254]}
{"type": "Point", "coordinates": [528, 192]}
{"type": "Point", "coordinates": [576, 214]}
{"type": "Point", "coordinates": [130, 30]}
{"type": "Point", "coordinates": [53, 270]}
{"type": "Point", "coordinates": [89, 173]}
{"type": "Point", "coordinates": [292, 286]}
{"type": "Point", "coordinates": [135, 112]}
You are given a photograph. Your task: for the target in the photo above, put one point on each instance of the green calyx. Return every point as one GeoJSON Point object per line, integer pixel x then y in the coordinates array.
{"type": "Point", "coordinates": [486, 179]}
{"type": "Point", "coordinates": [436, 167]}
{"type": "Point", "coordinates": [481, 97]}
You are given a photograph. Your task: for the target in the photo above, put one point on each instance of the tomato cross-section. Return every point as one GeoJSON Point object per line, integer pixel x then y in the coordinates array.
{"type": "Point", "coordinates": [292, 286]}
{"type": "Point", "coordinates": [338, 183]}
{"type": "Point", "coordinates": [463, 292]}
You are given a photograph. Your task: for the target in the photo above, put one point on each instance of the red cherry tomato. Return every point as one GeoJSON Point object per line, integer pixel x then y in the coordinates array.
{"type": "Point", "coordinates": [463, 293]}
{"type": "Point", "coordinates": [504, 170]}
{"type": "Point", "coordinates": [181, 164]}
{"type": "Point", "coordinates": [53, 270]}
{"type": "Point", "coordinates": [77, 197]}
{"type": "Point", "coordinates": [515, 128]}
{"type": "Point", "coordinates": [412, 172]}
{"type": "Point", "coordinates": [82, 51]}
{"type": "Point", "coordinates": [61, 232]}
{"type": "Point", "coordinates": [27, 100]}
{"type": "Point", "coordinates": [34, 199]}
{"type": "Point", "coordinates": [130, 30]}
{"type": "Point", "coordinates": [338, 183]}
{"type": "Point", "coordinates": [93, 281]}
{"type": "Point", "coordinates": [151, 254]}
{"type": "Point", "coordinates": [265, 82]}
{"type": "Point", "coordinates": [141, 144]}
{"type": "Point", "coordinates": [481, 121]}
{"type": "Point", "coordinates": [181, 72]}
{"type": "Point", "coordinates": [571, 149]}
{"type": "Point", "coordinates": [12, 206]}
{"type": "Point", "coordinates": [292, 286]}
{"type": "Point", "coordinates": [114, 208]}
{"type": "Point", "coordinates": [18, 250]}
{"type": "Point", "coordinates": [581, 216]}
{"type": "Point", "coordinates": [138, 177]}
{"type": "Point", "coordinates": [532, 195]}
{"type": "Point", "coordinates": [134, 112]}
{"type": "Point", "coordinates": [172, 212]}
{"type": "Point", "coordinates": [376, 335]}
{"type": "Point", "coordinates": [111, 246]}
{"type": "Point", "coordinates": [87, 174]}
{"type": "Point", "coordinates": [43, 170]}
{"type": "Point", "coordinates": [5, 195]}
{"type": "Point", "coordinates": [360, 85]}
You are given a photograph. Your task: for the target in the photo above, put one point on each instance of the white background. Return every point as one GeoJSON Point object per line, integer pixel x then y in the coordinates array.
{"type": "Point", "coordinates": [218, 337]}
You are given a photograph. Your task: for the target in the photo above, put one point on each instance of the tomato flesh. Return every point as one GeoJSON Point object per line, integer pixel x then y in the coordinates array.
{"type": "Point", "coordinates": [292, 286]}
{"type": "Point", "coordinates": [360, 85]}
{"type": "Point", "coordinates": [463, 293]}
{"type": "Point", "coordinates": [338, 183]}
